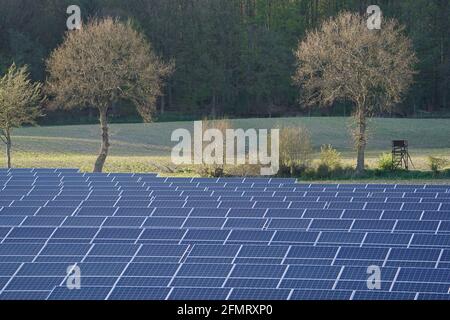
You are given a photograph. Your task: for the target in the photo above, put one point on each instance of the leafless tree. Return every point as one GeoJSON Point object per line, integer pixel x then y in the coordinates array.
{"type": "Point", "coordinates": [19, 103]}
{"type": "Point", "coordinates": [104, 62]}
{"type": "Point", "coordinates": [345, 61]}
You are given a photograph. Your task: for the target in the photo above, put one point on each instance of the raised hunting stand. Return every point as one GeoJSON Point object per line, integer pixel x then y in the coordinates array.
{"type": "Point", "coordinates": [400, 155]}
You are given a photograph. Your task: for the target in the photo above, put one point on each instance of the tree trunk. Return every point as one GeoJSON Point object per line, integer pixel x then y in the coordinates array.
{"type": "Point", "coordinates": [213, 107]}
{"type": "Point", "coordinates": [163, 104]}
{"type": "Point", "coordinates": [8, 148]}
{"type": "Point", "coordinates": [105, 142]}
{"type": "Point", "coordinates": [361, 141]}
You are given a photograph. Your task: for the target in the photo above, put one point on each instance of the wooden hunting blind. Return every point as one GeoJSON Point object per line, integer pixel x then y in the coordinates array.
{"type": "Point", "coordinates": [400, 155]}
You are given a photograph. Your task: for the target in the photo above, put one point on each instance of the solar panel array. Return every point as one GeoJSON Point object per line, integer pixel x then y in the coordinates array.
{"type": "Point", "coordinates": [140, 236]}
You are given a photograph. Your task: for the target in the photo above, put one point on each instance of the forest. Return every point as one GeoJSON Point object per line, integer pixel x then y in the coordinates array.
{"type": "Point", "coordinates": [233, 58]}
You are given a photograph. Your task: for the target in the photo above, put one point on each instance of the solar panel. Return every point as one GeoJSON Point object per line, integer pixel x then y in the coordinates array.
{"type": "Point", "coordinates": [137, 236]}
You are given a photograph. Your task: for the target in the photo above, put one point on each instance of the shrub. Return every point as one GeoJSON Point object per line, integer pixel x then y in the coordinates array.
{"type": "Point", "coordinates": [295, 150]}
{"type": "Point", "coordinates": [385, 162]}
{"type": "Point", "coordinates": [330, 157]}
{"type": "Point", "coordinates": [243, 170]}
{"type": "Point", "coordinates": [437, 164]}
{"type": "Point", "coordinates": [338, 172]}
{"type": "Point", "coordinates": [323, 171]}
{"type": "Point", "coordinates": [446, 173]}
{"type": "Point", "coordinates": [214, 170]}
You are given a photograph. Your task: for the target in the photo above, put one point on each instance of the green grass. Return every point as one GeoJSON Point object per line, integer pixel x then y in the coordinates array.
{"type": "Point", "coordinates": [145, 147]}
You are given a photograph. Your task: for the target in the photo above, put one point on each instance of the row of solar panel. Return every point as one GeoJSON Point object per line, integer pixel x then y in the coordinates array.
{"type": "Point", "coordinates": [206, 202]}
{"type": "Point", "coordinates": [223, 277]}
{"type": "Point", "coordinates": [328, 274]}
{"type": "Point", "coordinates": [217, 236]}
{"type": "Point", "coordinates": [155, 182]}
{"type": "Point", "coordinates": [311, 221]}
{"type": "Point", "coordinates": [394, 221]}
{"type": "Point", "coordinates": [291, 206]}
{"type": "Point", "coordinates": [158, 293]}
{"type": "Point", "coordinates": [74, 172]}
{"type": "Point", "coordinates": [239, 224]}
{"type": "Point", "coordinates": [222, 181]}
{"type": "Point", "coordinates": [229, 254]}
{"type": "Point", "coordinates": [100, 195]}
{"type": "Point", "coordinates": [268, 191]}
{"type": "Point", "coordinates": [213, 201]}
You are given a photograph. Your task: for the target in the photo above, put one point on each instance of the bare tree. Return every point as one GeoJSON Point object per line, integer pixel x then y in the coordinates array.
{"type": "Point", "coordinates": [346, 61]}
{"type": "Point", "coordinates": [19, 104]}
{"type": "Point", "coordinates": [104, 62]}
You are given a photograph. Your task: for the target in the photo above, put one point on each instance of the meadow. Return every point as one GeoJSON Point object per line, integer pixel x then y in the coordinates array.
{"type": "Point", "coordinates": [147, 147]}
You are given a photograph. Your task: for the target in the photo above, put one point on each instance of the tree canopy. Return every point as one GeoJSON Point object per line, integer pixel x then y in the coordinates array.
{"type": "Point", "coordinates": [105, 62]}
{"type": "Point", "coordinates": [19, 103]}
{"type": "Point", "coordinates": [345, 61]}
{"type": "Point", "coordinates": [234, 55]}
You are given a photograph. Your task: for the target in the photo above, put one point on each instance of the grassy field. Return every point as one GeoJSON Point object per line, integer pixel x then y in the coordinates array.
{"type": "Point", "coordinates": [147, 147]}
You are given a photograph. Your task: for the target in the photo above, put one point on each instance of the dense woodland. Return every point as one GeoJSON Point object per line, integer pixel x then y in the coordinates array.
{"type": "Point", "coordinates": [232, 57]}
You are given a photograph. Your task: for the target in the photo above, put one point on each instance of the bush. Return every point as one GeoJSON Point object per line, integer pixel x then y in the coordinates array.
{"type": "Point", "coordinates": [437, 164]}
{"type": "Point", "coordinates": [330, 157]}
{"type": "Point", "coordinates": [215, 170]}
{"type": "Point", "coordinates": [243, 170]}
{"type": "Point", "coordinates": [446, 173]}
{"type": "Point", "coordinates": [323, 171]}
{"type": "Point", "coordinates": [295, 150]}
{"type": "Point", "coordinates": [385, 162]}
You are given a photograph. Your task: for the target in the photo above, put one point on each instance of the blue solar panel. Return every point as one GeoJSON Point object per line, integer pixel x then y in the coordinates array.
{"type": "Point", "coordinates": [362, 214]}
{"type": "Point", "coordinates": [373, 225]}
{"type": "Point", "coordinates": [119, 233]}
{"type": "Point", "coordinates": [31, 232]}
{"type": "Point", "coordinates": [341, 238]}
{"type": "Point", "coordinates": [312, 252]}
{"type": "Point", "coordinates": [263, 251]}
{"type": "Point", "coordinates": [402, 215]}
{"type": "Point", "coordinates": [68, 249]}
{"type": "Point", "coordinates": [281, 224]}
{"type": "Point", "coordinates": [199, 294]}
{"type": "Point", "coordinates": [95, 211]}
{"type": "Point", "coordinates": [55, 211]}
{"type": "Point", "coordinates": [75, 233]}
{"type": "Point", "coordinates": [139, 236]}
{"type": "Point", "coordinates": [421, 206]}
{"type": "Point", "coordinates": [87, 293]}
{"type": "Point", "coordinates": [294, 237]}
{"type": "Point", "coordinates": [203, 212]}
{"type": "Point", "coordinates": [197, 282]}
{"type": "Point", "coordinates": [259, 294]}
{"type": "Point", "coordinates": [214, 251]}
{"type": "Point", "coordinates": [330, 224]}
{"type": "Point", "coordinates": [285, 213]}
{"type": "Point", "coordinates": [388, 239]}
{"type": "Point", "coordinates": [427, 240]}
{"type": "Point", "coordinates": [164, 222]}
{"type": "Point", "coordinates": [161, 234]}
{"type": "Point", "coordinates": [131, 293]}
{"type": "Point", "coordinates": [321, 295]}
{"type": "Point", "coordinates": [83, 221]}
{"type": "Point", "coordinates": [124, 221]}
{"type": "Point", "coordinates": [24, 295]}
{"type": "Point", "coordinates": [307, 205]}
{"type": "Point", "coordinates": [203, 223]}
{"type": "Point", "coordinates": [250, 236]}
{"type": "Point", "coordinates": [18, 211]}
{"type": "Point", "coordinates": [417, 226]}
{"type": "Point", "coordinates": [208, 235]}
{"type": "Point", "coordinates": [43, 221]}
{"type": "Point", "coordinates": [33, 283]}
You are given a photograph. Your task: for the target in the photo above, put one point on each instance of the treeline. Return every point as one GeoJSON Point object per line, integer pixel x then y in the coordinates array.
{"type": "Point", "coordinates": [233, 57]}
